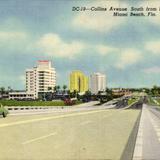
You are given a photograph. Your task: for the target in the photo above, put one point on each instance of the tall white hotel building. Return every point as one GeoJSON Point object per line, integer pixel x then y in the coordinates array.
{"type": "Point", "coordinates": [40, 78]}
{"type": "Point", "coordinates": [97, 82]}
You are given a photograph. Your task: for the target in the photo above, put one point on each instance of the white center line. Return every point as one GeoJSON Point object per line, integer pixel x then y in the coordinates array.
{"type": "Point", "coordinates": [39, 138]}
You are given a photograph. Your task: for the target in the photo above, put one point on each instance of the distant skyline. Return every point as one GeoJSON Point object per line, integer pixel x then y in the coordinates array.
{"type": "Point", "coordinates": [126, 49]}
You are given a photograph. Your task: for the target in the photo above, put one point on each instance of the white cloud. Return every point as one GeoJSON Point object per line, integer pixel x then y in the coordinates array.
{"type": "Point", "coordinates": [128, 57]}
{"type": "Point", "coordinates": [155, 70]}
{"type": "Point", "coordinates": [13, 41]}
{"type": "Point", "coordinates": [99, 20]}
{"type": "Point", "coordinates": [104, 50]}
{"type": "Point", "coordinates": [153, 47]}
{"type": "Point", "coordinates": [53, 45]}
{"type": "Point", "coordinates": [12, 36]}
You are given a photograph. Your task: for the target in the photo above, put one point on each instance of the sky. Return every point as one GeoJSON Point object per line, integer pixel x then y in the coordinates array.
{"type": "Point", "coordinates": [126, 49]}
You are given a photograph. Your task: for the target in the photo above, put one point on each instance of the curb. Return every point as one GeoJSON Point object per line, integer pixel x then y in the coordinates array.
{"type": "Point", "coordinates": [130, 146]}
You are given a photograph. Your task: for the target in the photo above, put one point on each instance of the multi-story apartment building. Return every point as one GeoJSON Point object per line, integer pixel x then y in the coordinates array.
{"type": "Point", "coordinates": [78, 82]}
{"type": "Point", "coordinates": [97, 82]}
{"type": "Point", "coordinates": [41, 78]}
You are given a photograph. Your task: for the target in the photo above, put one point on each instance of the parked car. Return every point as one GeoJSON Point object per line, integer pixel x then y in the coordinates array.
{"type": "Point", "coordinates": [69, 102]}
{"type": "Point", "coordinates": [3, 111]}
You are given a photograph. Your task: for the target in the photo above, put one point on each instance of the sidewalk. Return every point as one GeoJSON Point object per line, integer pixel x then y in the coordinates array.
{"type": "Point", "coordinates": [148, 138]}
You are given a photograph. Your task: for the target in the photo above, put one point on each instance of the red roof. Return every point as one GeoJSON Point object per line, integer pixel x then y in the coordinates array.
{"type": "Point", "coordinates": [43, 61]}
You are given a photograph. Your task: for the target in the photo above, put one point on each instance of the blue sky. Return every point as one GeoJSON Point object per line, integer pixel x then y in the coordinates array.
{"type": "Point", "coordinates": [126, 49]}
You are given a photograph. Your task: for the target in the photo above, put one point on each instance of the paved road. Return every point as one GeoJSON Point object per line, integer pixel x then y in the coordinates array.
{"type": "Point", "coordinates": [148, 139]}
{"type": "Point", "coordinates": [91, 134]}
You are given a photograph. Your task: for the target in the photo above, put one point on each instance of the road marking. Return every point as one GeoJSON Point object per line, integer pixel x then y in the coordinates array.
{"type": "Point", "coordinates": [84, 123]}
{"type": "Point", "coordinates": [39, 138]}
{"type": "Point", "coordinates": [49, 118]}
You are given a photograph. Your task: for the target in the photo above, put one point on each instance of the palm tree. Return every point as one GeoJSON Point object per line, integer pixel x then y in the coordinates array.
{"type": "Point", "coordinates": [2, 91]}
{"type": "Point", "coordinates": [64, 88]}
{"type": "Point", "coordinates": [109, 93]}
{"type": "Point", "coordinates": [108, 90]}
{"type": "Point", "coordinates": [87, 96]}
{"type": "Point", "coordinates": [75, 92]}
{"type": "Point", "coordinates": [58, 88]}
{"type": "Point", "coordinates": [55, 89]}
{"type": "Point", "coordinates": [8, 90]}
{"type": "Point", "coordinates": [155, 90]}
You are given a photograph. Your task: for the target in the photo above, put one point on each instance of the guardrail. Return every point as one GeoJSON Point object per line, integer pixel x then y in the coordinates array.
{"type": "Point", "coordinates": [33, 107]}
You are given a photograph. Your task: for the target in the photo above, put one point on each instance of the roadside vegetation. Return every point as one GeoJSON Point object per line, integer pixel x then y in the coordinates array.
{"type": "Point", "coordinates": [158, 101]}
{"type": "Point", "coordinates": [153, 95]}
{"type": "Point", "coordinates": [132, 100]}
{"type": "Point", "coordinates": [61, 96]}
{"type": "Point", "coordinates": [34, 103]}
{"type": "Point", "coordinates": [3, 111]}
{"type": "Point", "coordinates": [151, 101]}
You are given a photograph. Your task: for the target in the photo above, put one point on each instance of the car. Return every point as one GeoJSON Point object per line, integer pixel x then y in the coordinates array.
{"type": "Point", "coordinates": [3, 111]}
{"type": "Point", "coordinates": [69, 102]}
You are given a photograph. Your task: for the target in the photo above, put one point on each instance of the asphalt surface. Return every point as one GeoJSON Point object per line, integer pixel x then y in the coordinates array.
{"type": "Point", "coordinates": [148, 138]}
{"type": "Point", "coordinates": [96, 133]}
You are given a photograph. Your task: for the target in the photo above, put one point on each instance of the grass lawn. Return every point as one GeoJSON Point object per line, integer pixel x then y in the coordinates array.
{"type": "Point", "coordinates": [158, 102]}
{"type": "Point", "coordinates": [153, 101]}
{"type": "Point", "coordinates": [32, 103]}
{"type": "Point", "coordinates": [130, 101]}
{"type": "Point", "coordinates": [150, 101]}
